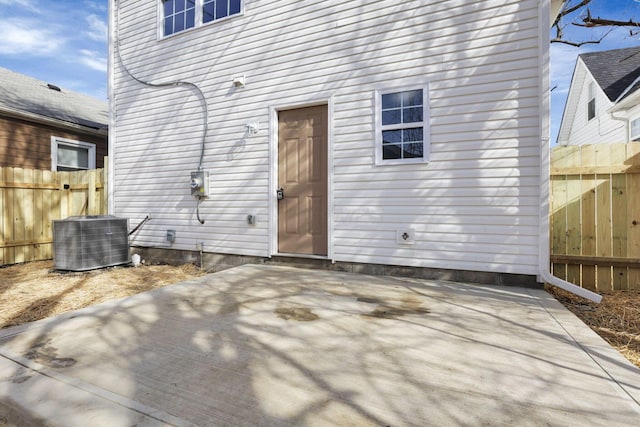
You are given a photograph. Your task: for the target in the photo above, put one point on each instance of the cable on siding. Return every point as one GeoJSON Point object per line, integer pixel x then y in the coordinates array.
{"type": "Point", "coordinates": [174, 83]}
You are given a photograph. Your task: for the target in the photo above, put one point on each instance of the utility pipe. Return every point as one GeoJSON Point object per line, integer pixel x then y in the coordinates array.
{"type": "Point", "coordinates": [544, 259]}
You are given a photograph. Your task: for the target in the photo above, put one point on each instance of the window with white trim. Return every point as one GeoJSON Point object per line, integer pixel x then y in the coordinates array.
{"type": "Point", "coordinates": [634, 129]}
{"type": "Point", "coordinates": [180, 15]}
{"type": "Point", "coordinates": [591, 104]}
{"type": "Point", "coordinates": [70, 155]}
{"type": "Point", "coordinates": [402, 134]}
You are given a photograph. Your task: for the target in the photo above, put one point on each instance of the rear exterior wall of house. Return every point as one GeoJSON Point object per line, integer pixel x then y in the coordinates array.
{"type": "Point", "coordinates": [473, 206]}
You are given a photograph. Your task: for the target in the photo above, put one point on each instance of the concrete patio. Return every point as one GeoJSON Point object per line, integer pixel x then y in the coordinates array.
{"type": "Point", "coordinates": [279, 346]}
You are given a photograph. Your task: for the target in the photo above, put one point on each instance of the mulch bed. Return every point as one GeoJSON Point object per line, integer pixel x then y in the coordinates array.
{"type": "Point", "coordinates": [616, 318]}
{"type": "Point", "coordinates": [34, 291]}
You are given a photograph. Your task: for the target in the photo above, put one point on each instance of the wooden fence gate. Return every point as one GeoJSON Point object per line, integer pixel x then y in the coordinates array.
{"type": "Point", "coordinates": [31, 199]}
{"type": "Point", "coordinates": [595, 215]}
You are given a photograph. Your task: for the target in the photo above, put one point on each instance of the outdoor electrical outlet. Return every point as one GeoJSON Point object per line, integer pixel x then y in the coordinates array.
{"type": "Point", "coordinates": [200, 246]}
{"type": "Point", "coordinates": [405, 236]}
{"type": "Point", "coordinates": [171, 236]}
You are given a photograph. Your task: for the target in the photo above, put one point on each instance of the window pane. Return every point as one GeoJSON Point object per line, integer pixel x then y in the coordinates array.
{"type": "Point", "coordinates": [591, 109]}
{"type": "Point", "coordinates": [191, 18]}
{"type": "Point", "coordinates": [208, 12]}
{"type": "Point", "coordinates": [635, 129]}
{"type": "Point", "coordinates": [413, 97]}
{"type": "Point", "coordinates": [179, 22]}
{"type": "Point", "coordinates": [391, 152]}
{"type": "Point", "coordinates": [411, 115]}
{"type": "Point", "coordinates": [390, 136]}
{"type": "Point", "coordinates": [179, 5]}
{"type": "Point", "coordinates": [168, 7]}
{"type": "Point", "coordinates": [411, 135]}
{"type": "Point", "coordinates": [75, 157]}
{"type": "Point", "coordinates": [221, 9]}
{"type": "Point", "coordinates": [412, 151]}
{"type": "Point", "coordinates": [168, 26]}
{"type": "Point", "coordinates": [391, 117]}
{"type": "Point", "coordinates": [234, 7]}
{"type": "Point", "coordinates": [391, 100]}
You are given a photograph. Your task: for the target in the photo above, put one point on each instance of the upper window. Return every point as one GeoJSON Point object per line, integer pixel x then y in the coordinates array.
{"type": "Point", "coordinates": [180, 15]}
{"type": "Point", "coordinates": [401, 126]}
{"type": "Point", "coordinates": [634, 130]}
{"type": "Point", "coordinates": [70, 155]}
{"type": "Point", "coordinates": [216, 9]}
{"type": "Point", "coordinates": [591, 104]}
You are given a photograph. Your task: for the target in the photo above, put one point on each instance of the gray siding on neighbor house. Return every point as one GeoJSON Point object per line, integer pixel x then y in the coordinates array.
{"type": "Point", "coordinates": [474, 206]}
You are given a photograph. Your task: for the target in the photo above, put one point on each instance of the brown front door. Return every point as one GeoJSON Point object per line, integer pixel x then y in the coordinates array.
{"type": "Point", "coordinates": [302, 175]}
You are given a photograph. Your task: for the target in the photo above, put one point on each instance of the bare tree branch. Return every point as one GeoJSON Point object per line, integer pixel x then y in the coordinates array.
{"type": "Point", "coordinates": [587, 22]}
{"type": "Point", "coordinates": [576, 44]}
{"type": "Point", "coordinates": [566, 10]}
{"type": "Point", "coordinates": [599, 22]}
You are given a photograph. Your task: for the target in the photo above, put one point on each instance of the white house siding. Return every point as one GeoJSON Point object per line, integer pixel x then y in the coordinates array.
{"type": "Point", "coordinates": [603, 128]}
{"type": "Point", "coordinates": [473, 207]}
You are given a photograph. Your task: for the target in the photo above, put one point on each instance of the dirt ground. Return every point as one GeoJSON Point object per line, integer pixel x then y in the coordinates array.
{"type": "Point", "coordinates": [34, 291]}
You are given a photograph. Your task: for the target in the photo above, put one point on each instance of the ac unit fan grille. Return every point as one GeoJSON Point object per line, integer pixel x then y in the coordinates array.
{"type": "Point", "coordinates": [86, 243]}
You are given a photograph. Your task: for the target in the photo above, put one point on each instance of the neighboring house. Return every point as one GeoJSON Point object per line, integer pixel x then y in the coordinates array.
{"type": "Point", "coordinates": [603, 104]}
{"type": "Point", "coordinates": [401, 133]}
{"type": "Point", "coordinates": [43, 126]}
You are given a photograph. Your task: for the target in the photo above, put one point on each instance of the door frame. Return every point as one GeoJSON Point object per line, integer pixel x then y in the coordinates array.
{"type": "Point", "coordinates": [273, 172]}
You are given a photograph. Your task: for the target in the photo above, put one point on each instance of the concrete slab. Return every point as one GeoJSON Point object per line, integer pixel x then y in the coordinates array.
{"type": "Point", "coordinates": [280, 346]}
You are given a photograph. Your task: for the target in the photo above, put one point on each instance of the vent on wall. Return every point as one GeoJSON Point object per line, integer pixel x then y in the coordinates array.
{"type": "Point", "coordinates": [89, 242]}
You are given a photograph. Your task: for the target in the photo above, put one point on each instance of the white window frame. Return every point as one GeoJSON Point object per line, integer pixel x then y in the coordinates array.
{"type": "Point", "coordinates": [379, 127]}
{"type": "Point", "coordinates": [57, 141]}
{"type": "Point", "coordinates": [198, 18]}
{"type": "Point", "coordinates": [632, 136]}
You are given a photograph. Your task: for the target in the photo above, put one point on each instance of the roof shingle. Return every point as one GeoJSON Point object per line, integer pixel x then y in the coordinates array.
{"type": "Point", "coordinates": [614, 70]}
{"type": "Point", "coordinates": [24, 93]}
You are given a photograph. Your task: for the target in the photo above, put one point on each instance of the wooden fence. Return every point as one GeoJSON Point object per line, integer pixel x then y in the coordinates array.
{"type": "Point", "coordinates": [595, 215]}
{"type": "Point", "coordinates": [31, 199]}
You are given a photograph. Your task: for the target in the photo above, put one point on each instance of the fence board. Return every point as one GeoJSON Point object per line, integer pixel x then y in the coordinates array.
{"type": "Point", "coordinates": [601, 205]}
{"type": "Point", "coordinates": [31, 199]}
{"type": "Point", "coordinates": [559, 223]}
{"type": "Point", "coordinates": [603, 229]}
{"type": "Point", "coordinates": [633, 229]}
{"type": "Point", "coordinates": [8, 217]}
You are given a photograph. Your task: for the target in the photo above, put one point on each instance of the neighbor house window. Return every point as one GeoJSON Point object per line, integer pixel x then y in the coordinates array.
{"type": "Point", "coordinates": [180, 15]}
{"type": "Point", "coordinates": [634, 130]}
{"type": "Point", "coordinates": [591, 104]}
{"type": "Point", "coordinates": [70, 155]}
{"type": "Point", "coordinates": [402, 126]}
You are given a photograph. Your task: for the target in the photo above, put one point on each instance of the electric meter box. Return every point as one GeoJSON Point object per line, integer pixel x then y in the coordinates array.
{"type": "Point", "coordinates": [200, 184]}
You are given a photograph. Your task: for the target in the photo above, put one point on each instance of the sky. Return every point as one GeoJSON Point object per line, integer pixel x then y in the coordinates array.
{"type": "Point", "coordinates": [64, 42]}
